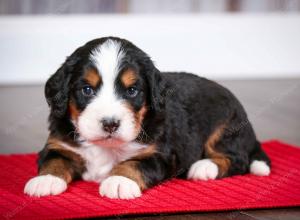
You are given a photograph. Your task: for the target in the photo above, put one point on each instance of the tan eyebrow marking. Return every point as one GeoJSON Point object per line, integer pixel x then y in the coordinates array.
{"type": "Point", "coordinates": [92, 77]}
{"type": "Point", "coordinates": [128, 78]}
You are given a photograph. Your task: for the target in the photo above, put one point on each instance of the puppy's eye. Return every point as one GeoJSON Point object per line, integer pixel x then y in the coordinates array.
{"type": "Point", "coordinates": [132, 92]}
{"type": "Point", "coordinates": [87, 91]}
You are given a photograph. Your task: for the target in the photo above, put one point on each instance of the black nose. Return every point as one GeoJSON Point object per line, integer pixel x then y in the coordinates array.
{"type": "Point", "coordinates": [110, 125]}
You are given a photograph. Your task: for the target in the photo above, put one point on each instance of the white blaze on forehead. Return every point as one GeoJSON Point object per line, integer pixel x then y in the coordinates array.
{"type": "Point", "coordinates": [107, 59]}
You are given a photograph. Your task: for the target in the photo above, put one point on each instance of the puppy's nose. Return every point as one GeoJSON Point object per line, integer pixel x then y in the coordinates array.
{"type": "Point", "coordinates": [110, 125]}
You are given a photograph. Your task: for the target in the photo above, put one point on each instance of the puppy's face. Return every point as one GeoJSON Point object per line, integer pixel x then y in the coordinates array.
{"type": "Point", "coordinates": [108, 92]}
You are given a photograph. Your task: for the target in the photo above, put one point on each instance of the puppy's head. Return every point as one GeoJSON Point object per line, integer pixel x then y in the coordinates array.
{"type": "Point", "coordinates": [105, 88]}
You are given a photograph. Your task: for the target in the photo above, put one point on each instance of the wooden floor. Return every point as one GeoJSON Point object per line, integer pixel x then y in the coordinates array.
{"type": "Point", "coordinates": [269, 214]}
{"type": "Point", "coordinates": [273, 107]}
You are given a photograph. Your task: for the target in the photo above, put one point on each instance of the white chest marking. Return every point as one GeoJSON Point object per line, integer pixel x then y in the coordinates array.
{"type": "Point", "coordinates": [100, 160]}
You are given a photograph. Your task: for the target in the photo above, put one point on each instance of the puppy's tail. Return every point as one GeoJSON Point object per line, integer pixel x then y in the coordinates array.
{"type": "Point", "coordinates": [260, 163]}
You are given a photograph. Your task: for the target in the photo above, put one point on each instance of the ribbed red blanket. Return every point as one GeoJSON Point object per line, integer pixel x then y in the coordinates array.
{"type": "Point", "coordinates": [280, 189]}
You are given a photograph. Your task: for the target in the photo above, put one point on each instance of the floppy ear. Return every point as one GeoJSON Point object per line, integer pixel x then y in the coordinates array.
{"type": "Point", "coordinates": [57, 91]}
{"type": "Point", "coordinates": [157, 88]}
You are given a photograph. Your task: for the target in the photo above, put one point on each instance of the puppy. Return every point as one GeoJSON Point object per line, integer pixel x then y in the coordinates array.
{"type": "Point", "coordinates": [117, 120]}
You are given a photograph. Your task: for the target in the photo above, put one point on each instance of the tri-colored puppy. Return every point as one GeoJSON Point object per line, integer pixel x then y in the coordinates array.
{"type": "Point", "coordinates": [118, 120]}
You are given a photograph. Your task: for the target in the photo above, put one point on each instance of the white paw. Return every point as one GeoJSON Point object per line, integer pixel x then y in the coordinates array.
{"type": "Point", "coordinates": [259, 168]}
{"type": "Point", "coordinates": [45, 185]}
{"type": "Point", "coordinates": [203, 170]}
{"type": "Point", "coordinates": [119, 187]}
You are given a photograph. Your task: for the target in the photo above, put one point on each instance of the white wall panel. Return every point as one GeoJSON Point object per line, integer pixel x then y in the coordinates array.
{"type": "Point", "coordinates": [220, 46]}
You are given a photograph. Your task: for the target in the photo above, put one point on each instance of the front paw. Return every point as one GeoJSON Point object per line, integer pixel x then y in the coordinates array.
{"type": "Point", "coordinates": [119, 187]}
{"type": "Point", "coordinates": [45, 185]}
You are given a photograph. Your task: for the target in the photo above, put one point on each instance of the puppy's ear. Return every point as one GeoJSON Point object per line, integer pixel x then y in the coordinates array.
{"type": "Point", "coordinates": [57, 91]}
{"type": "Point", "coordinates": [157, 88]}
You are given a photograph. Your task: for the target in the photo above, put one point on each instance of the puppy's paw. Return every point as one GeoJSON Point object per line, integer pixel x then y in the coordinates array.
{"type": "Point", "coordinates": [203, 170]}
{"type": "Point", "coordinates": [119, 187]}
{"type": "Point", "coordinates": [260, 168]}
{"type": "Point", "coordinates": [45, 185]}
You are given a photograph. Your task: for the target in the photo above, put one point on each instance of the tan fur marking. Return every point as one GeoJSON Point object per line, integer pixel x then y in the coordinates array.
{"type": "Point", "coordinates": [74, 112]}
{"type": "Point", "coordinates": [139, 116]}
{"type": "Point", "coordinates": [128, 78]}
{"type": "Point", "coordinates": [223, 164]}
{"type": "Point", "coordinates": [62, 167]}
{"type": "Point", "coordinates": [147, 152]}
{"type": "Point", "coordinates": [217, 157]}
{"type": "Point", "coordinates": [92, 77]}
{"type": "Point", "coordinates": [129, 169]}
{"type": "Point", "coordinates": [57, 167]}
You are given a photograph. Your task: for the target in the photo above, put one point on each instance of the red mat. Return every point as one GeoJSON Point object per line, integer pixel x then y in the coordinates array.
{"type": "Point", "coordinates": [280, 189]}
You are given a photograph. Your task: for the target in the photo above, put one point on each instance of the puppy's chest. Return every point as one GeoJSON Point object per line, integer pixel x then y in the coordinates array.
{"type": "Point", "coordinates": [100, 161]}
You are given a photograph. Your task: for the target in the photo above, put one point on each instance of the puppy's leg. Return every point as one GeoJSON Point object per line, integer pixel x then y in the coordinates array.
{"type": "Point", "coordinates": [215, 164]}
{"type": "Point", "coordinates": [228, 154]}
{"type": "Point", "coordinates": [57, 168]}
{"type": "Point", "coordinates": [125, 181]}
{"type": "Point", "coordinates": [259, 163]}
{"type": "Point", "coordinates": [128, 179]}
